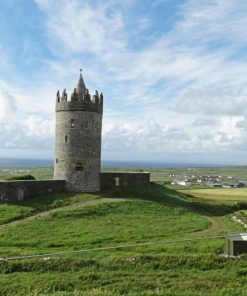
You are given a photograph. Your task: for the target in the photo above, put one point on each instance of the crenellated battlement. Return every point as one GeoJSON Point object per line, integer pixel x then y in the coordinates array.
{"type": "Point", "coordinates": [79, 105]}
{"type": "Point", "coordinates": [80, 99]}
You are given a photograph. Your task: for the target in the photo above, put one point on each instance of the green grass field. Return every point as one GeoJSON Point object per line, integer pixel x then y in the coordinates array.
{"type": "Point", "coordinates": [221, 194]}
{"type": "Point", "coordinates": [157, 174]}
{"type": "Point", "coordinates": [37, 172]}
{"type": "Point", "coordinates": [163, 174]}
{"type": "Point", "coordinates": [72, 222]}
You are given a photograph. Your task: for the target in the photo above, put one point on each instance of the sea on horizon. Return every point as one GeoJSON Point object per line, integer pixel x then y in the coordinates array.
{"type": "Point", "coordinates": [21, 162]}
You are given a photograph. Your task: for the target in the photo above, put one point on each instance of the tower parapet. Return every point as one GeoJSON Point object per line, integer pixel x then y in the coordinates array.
{"type": "Point", "coordinates": [78, 138]}
{"type": "Point", "coordinates": [80, 99]}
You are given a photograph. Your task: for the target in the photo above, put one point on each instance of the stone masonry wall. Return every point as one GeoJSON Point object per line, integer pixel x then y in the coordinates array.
{"type": "Point", "coordinates": [78, 150]}
{"type": "Point", "coordinates": [123, 180]}
{"type": "Point", "coordinates": [11, 191]}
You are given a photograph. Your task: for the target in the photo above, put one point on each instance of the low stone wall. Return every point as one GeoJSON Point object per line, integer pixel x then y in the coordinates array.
{"type": "Point", "coordinates": [18, 190]}
{"type": "Point", "coordinates": [123, 180]}
{"type": "Point", "coordinates": [11, 191]}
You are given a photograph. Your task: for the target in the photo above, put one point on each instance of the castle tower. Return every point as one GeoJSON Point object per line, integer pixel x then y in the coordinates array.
{"type": "Point", "coordinates": [78, 139]}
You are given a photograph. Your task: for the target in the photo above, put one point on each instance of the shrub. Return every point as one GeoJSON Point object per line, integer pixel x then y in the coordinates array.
{"type": "Point", "coordinates": [20, 177]}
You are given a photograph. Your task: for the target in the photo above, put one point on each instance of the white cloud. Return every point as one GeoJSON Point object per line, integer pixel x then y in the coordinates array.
{"type": "Point", "coordinates": [83, 28]}
{"type": "Point", "coordinates": [7, 104]}
{"type": "Point", "coordinates": [215, 101]}
{"type": "Point", "coordinates": [39, 127]}
{"type": "Point", "coordinates": [20, 130]}
{"type": "Point", "coordinates": [158, 139]}
{"type": "Point", "coordinates": [210, 20]}
{"type": "Point", "coordinates": [203, 121]}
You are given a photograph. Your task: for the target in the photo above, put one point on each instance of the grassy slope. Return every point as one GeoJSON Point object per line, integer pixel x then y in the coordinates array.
{"type": "Point", "coordinates": [26, 208]}
{"type": "Point", "coordinates": [151, 214]}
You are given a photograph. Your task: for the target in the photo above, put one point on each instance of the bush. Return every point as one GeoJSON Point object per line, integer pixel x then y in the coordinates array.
{"type": "Point", "coordinates": [20, 177]}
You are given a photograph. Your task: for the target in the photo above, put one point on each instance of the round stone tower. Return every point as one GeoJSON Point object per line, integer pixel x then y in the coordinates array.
{"type": "Point", "coordinates": [78, 139]}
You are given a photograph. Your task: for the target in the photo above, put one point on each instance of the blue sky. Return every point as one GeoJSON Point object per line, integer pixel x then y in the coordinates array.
{"type": "Point", "coordinates": [173, 74]}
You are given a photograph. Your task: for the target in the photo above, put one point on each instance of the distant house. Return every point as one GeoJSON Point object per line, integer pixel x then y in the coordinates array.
{"type": "Point", "coordinates": [184, 183]}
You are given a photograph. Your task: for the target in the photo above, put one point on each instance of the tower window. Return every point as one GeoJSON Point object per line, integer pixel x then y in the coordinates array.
{"type": "Point", "coordinates": [72, 123]}
{"type": "Point", "coordinates": [79, 166]}
{"type": "Point", "coordinates": [56, 160]}
{"type": "Point", "coordinates": [117, 181]}
{"type": "Point", "coordinates": [66, 139]}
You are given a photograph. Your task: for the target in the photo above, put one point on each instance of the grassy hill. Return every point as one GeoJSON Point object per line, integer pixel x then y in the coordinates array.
{"type": "Point", "coordinates": [122, 217]}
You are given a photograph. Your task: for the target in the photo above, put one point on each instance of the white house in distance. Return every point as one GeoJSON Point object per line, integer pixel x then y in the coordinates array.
{"type": "Point", "coordinates": [184, 182]}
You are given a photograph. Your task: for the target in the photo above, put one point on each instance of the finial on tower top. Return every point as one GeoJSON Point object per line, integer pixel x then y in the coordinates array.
{"type": "Point", "coordinates": [81, 73]}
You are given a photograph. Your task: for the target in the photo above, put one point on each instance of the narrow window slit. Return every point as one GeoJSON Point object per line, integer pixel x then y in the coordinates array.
{"type": "Point", "coordinates": [117, 182]}
{"type": "Point", "coordinates": [79, 166]}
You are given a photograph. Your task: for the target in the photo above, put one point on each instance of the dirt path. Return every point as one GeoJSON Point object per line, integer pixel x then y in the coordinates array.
{"type": "Point", "coordinates": [64, 208]}
{"type": "Point", "coordinates": [216, 226]}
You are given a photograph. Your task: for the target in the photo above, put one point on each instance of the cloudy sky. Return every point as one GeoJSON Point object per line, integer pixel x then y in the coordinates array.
{"type": "Point", "coordinates": [173, 74]}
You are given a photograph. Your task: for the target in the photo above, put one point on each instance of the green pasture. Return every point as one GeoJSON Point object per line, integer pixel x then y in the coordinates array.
{"type": "Point", "coordinates": [220, 194]}
{"type": "Point", "coordinates": [163, 174]}
{"type": "Point", "coordinates": [38, 172]}
{"type": "Point", "coordinates": [57, 223]}
{"type": "Point", "coordinates": [63, 222]}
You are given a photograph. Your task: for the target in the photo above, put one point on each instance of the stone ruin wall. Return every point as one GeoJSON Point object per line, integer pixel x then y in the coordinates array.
{"type": "Point", "coordinates": [124, 180]}
{"type": "Point", "coordinates": [12, 191]}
